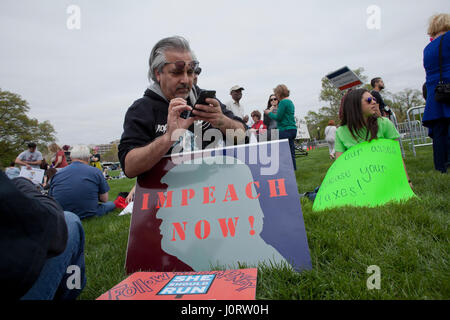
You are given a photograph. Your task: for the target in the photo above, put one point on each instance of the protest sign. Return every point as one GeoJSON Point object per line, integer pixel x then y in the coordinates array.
{"type": "Point", "coordinates": [302, 131]}
{"type": "Point", "coordinates": [206, 285]}
{"type": "Point", "coordinates": [368, 174]}
{"type": "Point", "coordinates": [218, 207]}
{"type": "Point", "coordinates": [35, 175]}
{"type": "Point", "coordinates": [344, 78]}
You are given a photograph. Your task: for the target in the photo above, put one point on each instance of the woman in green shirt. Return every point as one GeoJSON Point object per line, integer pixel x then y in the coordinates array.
{"type": "Point", "coordinates": [286, 125]}
{"type": "Point", "coordinates": [360, 122]}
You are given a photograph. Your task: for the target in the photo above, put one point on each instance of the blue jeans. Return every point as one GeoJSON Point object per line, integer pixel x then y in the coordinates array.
{"type": "Point", "coordinates": [290, 134]}
{"type": "Point", "coordinates": [52, 282]}
{"type": "Point", "coordinates": [104, 208]}
{"type": "Point", "coordinates": [101, 210]}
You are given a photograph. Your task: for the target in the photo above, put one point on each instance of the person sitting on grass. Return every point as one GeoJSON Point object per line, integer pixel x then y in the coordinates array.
{"type": "Point", "coordinates": [12, 171]}
{"type": "Point", "coordinates": [360, 122]}
{"type": "Point", "coordinates": [79, 187]}
{"type": "Point", "coordinates": [38, 243]}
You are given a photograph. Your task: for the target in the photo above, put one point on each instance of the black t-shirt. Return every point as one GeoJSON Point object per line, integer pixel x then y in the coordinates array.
{"type": "Point", "coordinates": [379, 99]}
{"type": "Point", "coordinates": [146, 120]}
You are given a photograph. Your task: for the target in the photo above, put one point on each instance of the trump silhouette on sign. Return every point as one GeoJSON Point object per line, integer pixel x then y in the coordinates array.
{"type": "Point", "coordinates": [221, 226]}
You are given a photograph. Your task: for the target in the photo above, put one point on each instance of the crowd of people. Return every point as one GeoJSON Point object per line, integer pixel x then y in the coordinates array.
{"type": "Point", "coordinates": [43, 234]}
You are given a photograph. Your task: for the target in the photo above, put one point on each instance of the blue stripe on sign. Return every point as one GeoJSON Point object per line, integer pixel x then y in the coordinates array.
{"type": "Point", "coordinates": [337, 73]}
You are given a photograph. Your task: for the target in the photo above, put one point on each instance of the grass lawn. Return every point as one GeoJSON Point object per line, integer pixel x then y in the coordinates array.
{"type": "Point", "coordinates": [409, 242]}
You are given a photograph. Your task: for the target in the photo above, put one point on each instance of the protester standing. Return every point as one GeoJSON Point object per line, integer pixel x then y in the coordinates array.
{"type": "Point", "coordinates": [234, 104]}
{"type": "Point", "coordinates": [285, 118]}
{"type": "Point", "coordinates": [60, 157]}
{"type": "Point", "coordinates": [270, 123]}
{"type": "Point", "coordinates": [437, 114]}
{"type": "Point", "coordinates": [330, 137]}
{"type": "Point", "coordinates": [378, 85]}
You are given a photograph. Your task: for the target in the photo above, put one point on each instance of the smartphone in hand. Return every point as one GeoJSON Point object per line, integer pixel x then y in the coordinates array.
{"type": "Point", "coordinates": [204, 94]}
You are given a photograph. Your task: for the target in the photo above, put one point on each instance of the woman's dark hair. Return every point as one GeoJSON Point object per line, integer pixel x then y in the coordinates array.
{"type": "Point", "coordinates": [352, 116]}
{"type": "Point", "coordinates": [43, 164]}
{"type": "Point", "coordinates": [269, 105]}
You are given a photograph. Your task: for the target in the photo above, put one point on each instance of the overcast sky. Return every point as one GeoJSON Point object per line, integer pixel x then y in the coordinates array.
{"type": "Point", "coordinates": [83, 80]}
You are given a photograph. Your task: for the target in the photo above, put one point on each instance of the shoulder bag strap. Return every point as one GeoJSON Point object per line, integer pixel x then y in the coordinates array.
{"type": "Point", "coordinates": [440, 59]}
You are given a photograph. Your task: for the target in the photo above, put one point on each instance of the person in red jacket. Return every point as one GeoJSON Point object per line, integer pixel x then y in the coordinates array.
{"type": "Point", "coordinates": [258, 127]}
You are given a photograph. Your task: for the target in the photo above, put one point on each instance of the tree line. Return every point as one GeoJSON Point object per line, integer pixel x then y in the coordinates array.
{"type": "Point", "coordinates": [17, 129]}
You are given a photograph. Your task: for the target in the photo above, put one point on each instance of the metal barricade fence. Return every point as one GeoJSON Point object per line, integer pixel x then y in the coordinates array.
{"type": "Point", "coordinates": [393, 118]}
{"type": "Point", "coordinates": [417, 134]}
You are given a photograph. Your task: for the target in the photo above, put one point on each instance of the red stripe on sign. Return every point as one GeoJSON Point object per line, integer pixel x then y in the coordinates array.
{"type": "Point", "coordinates": [350, 85]}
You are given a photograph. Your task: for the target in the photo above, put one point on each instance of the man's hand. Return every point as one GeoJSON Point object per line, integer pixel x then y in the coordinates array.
{"type": "Point", "coordinates": [142, 159]}
{"type": "Point", "coordinates": [174, 121]}
{"type": "Point", "coordinates": [211, 113]}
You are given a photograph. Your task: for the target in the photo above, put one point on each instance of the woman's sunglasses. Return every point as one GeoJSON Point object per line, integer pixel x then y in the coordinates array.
{"type": "Point", "coordinates": [370, 99]}
{"type": "Point", "coordinates": [273, 99]}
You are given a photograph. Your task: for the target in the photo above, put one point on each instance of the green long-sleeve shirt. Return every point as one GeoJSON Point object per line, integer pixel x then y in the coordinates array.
{"type": "Point", "coordinates": [285, 115]}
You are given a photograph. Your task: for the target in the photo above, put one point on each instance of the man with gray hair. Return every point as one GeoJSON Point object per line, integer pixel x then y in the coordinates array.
{"type": "Point", "coordinates": [79, 187]}
{"type": "Point", "coordinates": [152, 124]}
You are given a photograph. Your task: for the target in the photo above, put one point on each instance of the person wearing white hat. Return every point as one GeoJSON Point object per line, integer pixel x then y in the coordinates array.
{"type": "Point", "coordinates": [234, 105]}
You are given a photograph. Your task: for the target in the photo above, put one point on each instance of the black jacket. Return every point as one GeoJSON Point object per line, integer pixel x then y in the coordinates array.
{"type": "Point", "coordinates": [32, 229]}
{"type": "Point", "coordinates": [146, 120]}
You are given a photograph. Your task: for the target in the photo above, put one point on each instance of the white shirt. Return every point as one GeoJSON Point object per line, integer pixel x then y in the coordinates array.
{"type": "Point", "coordinates": [330, 133]}
{"type": "Point", "coordinates": [236, 108]}
{"type": "Point", "coordinates": [31, 157]}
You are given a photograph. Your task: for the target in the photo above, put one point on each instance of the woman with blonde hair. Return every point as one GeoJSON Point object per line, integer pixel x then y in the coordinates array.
{"type": "Point", "coordinates": [436, 61]}
{"type": "Point", "coordinates": [60, 157]}
{"type": "Point", "coordinates": [285, 118]}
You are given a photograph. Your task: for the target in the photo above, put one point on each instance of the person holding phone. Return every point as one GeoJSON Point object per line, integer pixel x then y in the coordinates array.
{"type": "Point", "coordinates": [152, 124]}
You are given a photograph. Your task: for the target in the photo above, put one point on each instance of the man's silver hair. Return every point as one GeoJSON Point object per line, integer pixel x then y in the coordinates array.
{"type": "Point", "coordinates": [81, 152]}
{"type": "Point", "coordinates": [157, 56]}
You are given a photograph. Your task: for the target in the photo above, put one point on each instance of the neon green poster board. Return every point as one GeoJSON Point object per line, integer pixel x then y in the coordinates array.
{"type": "Point", "coordinates": [369, 174]}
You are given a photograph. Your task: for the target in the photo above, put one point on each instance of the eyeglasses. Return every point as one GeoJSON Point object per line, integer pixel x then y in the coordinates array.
{"type": "Point", "coordinates": [273, 99]}
{"type": "Point", "coordinates": [180, 65]}
{"type": "Point", "coordinates": [370, 99]}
